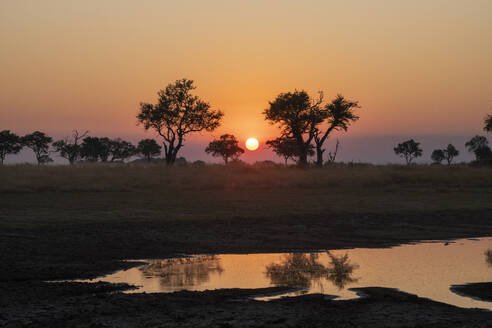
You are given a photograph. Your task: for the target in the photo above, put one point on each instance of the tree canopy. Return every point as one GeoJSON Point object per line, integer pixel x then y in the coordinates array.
{"type": "Point", "coordinates": [338, 114]}
{"type": "Point", "coordinates": [227, 146]}
{"type": "Point", "coordinates": [176, 114]}
{"type": "Point", "coordinates": [39, 142]}
{"type": "Point", "coordinates": [10, 143]}
{"type": "Point", "coordinates": [488, 123]}
{"type": "Point", "coordinates": [297, 115]}
{"type": "Point", "coordinates": [408, 150]}
{"type": "Point", "coordinates": [148, 148]}
{"type": "Point", "coordinates": [70, 149]}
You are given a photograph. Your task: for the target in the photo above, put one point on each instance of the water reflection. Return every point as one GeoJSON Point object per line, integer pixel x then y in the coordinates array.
{"type": "Point", "coordinates": [303, 270]}
{"type": "Point", "coordinates": [340, 270]}
{"type": "Point", "coordinates": [188, 271]}
{"type": "Point", "coordinates": [488, 257]}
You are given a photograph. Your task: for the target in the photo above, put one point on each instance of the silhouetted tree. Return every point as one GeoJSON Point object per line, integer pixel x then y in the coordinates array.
{"type": "Point", "coordinates": [121, 149]}
{"type": "Point", "coordinates": [297, 116]}
{"type": "Point", "coordinates": [437, 156]}
{"type": "Point", "coordinates": [479, 145]}
{"type": "Point", "coordinates": [94, 148]}
{"type": "Point", "coordinates": [227, 146]}
{"type": "Point", "coordinates": [148, 148]}
{"type": "Point", "coordinates": [488, 123]}
{"type": "Point", "coordinates": [176, 114]}
{"type": "Point", "coordinates": [450, 152]}
{"type": "Point", "coordinates": [339, 114]}
{"type": "Point", "coordinates": [287, 148]}
{"type": "Point", "coordinates": [340, 270]}
{"type": "Point", "coordinates": [408, 150]}
{"type": "Point", "coordinates": [10, 143]}
{"type": "Point", "coordinates": [70, 149]}
{"type": "Point", "coordinates": [39, 142]}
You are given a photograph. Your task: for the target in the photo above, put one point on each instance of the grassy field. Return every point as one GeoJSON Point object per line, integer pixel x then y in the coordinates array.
{"type": "Point", "coordinates": [61, 221]}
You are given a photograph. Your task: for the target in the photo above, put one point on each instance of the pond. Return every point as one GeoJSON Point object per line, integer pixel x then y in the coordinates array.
{"type": "Point", "coordinates": [427, 269]}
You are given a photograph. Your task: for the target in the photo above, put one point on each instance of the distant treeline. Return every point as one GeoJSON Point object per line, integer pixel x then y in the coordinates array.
{"type": "Point", "coordinates": [305, 124]}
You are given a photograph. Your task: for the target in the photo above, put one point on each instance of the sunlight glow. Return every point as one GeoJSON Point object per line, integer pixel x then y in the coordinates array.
{"type": "Point", "coordinates": [252, 144]}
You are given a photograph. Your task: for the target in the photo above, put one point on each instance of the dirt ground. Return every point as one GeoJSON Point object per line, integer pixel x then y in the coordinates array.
{"type": "Point", "coordinates": [59, 232]}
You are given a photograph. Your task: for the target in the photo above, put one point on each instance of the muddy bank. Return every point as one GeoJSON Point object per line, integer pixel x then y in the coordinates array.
{"type": "Point", "coordinates": [90, 305]}
{"type": "Point", "coordinates": [75, 249]}
{"type": "Point", "coordinates": [479, 290]}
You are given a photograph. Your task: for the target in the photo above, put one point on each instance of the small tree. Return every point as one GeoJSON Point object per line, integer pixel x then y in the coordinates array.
{"type": "Point", "coordinates": [40, 144]}
{"type": "Point", "coordinates": [408, 150]}
{"type": "Point", "coordinates": [70, 149]}
{"type": "Point", "coordinates": [339, 114]}
{"type": "Point", "coordinates": [227, 146]}
{"type": "Point", "coordinates": [10, 143]}
{"type": "Point", "coordinates": [437, 156]}
{"type": "Point", "coordinates": [94, 148]}
{"type": "Point", "coordinates": [479, 145]}
{"type": "Point", "coordinates": [176, 114]}
{"type": "Point", "coordinates": [488, 123]}
{"type": "Point", "coordinates": [450, 152]}
{"type": "Point", "coordinates": [121, 149]}
{"type": "Point", "coordinates": [333, 156]}
{"type": "Point", "coordinates": [148, 148]}
{"type": "Point", "coordinates": [287, 148]}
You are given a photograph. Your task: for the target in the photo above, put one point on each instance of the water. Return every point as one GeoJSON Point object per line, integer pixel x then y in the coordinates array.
{"type": "Point", "coordinates": [427, 269]}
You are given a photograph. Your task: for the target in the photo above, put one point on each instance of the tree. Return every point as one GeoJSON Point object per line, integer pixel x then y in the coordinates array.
{"type": "Point", "coordinates": [10, 143]}
{"type": "Point", "coordinates": [70, 149]}
{"type": "Point", "coordinates": [94, 148]}
{"type": "Point", "coordinates": [227, 146]}
{"type": "Point", "coordinates": [297, 115]}
{"type": "Point", "coordinates": [148, 148]}
{"type": "Point", "coordinates": [479, 145]}
{"type": "Point", "coordinates": [121, 149]}
{"type": "Point", "coordinates": [450, 152]}
{"type": "Point", "coordinates": [437, 156]}
{"type": "Point", "coordinates": [287, 148]}
{"type": "Point", "coordinates": [39, 142]}
{"type": "Point", "coordinates": [176, 114]}
{"type": "Point", "coordinates": [488, 123]}
{"type": "Point", "coordinates": [339, 114]}
{"type": "Point", "coordinates": [408, 150]}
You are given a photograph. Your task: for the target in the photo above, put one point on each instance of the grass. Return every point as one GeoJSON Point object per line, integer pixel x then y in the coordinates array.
{"type": "Point", "coordinates": [62, 221]}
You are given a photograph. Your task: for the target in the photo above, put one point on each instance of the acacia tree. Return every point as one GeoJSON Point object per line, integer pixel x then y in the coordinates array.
{"type": "Point", "coordinates": [479, 145]}
{"type": "Point", "coordinates": [338, 114]}
{"type": "Point", "coordinates": [148, 148]}
{"type": "Point", "coordinates": [408, 150]}
{"type": "Point", "coordinates": [39, 142]}
{"type": "Point", "coordinates": [10, 143]}
{"type": "Point", "coordinates": [287, 148]}
{"type": "Point", "coordinates": [227, 146]}
{"type": "Point", "coordinates": [121, 149]}
{"type": "Point", "coordinates": [94, 148]}
{"type": "Point", "coordinates": [70, 149]}
{"type": "Point", "coordinates": [176, 114]}
{"type": "Point", "coordinates": [450, 152]}
{"type": "Point", "coordinates": [437, 156]}
{"type": "Point", "coordinates": [297, 115]}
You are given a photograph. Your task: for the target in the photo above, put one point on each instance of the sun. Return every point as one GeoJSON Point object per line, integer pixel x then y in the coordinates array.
{"type": "Point", "coordinates": [252, 143]}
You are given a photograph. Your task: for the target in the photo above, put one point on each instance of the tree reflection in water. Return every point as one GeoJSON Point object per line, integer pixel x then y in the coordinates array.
{"type": "Point", "coordinates": [488, 257]}
{"type": "Point", "coordinates": [340, 270]}
{"type": "Point", "coordinates": [190, 271]}
{"type": "Point", "coordinates": [302, 270]}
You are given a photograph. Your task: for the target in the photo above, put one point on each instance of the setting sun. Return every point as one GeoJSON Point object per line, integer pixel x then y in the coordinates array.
{"type": "Point", "coordinates": [252, 144]}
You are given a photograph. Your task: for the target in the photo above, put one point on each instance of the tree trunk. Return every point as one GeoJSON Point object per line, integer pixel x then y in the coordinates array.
{"type": "Point", "coordinates": [319, 155]}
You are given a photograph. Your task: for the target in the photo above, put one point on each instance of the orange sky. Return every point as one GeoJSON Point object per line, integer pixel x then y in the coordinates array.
{"type": "Point", "coordinates": [417, 67]}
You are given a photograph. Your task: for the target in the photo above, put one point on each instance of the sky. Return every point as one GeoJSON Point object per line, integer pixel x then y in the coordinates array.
{"type": "Point", "coordinates": [420, 69]}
